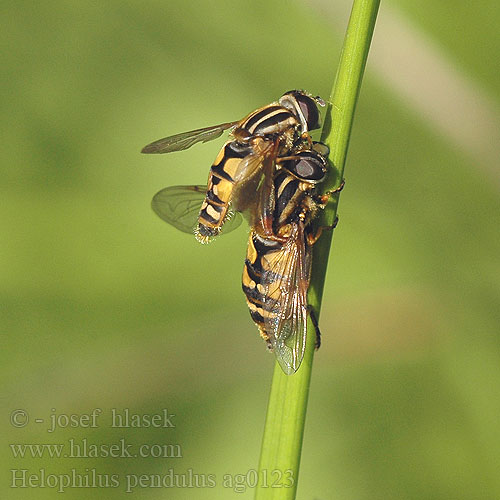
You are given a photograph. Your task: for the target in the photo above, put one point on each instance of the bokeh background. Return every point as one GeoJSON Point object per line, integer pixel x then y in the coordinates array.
{"type": "Point", "coordinates": [105, 306]}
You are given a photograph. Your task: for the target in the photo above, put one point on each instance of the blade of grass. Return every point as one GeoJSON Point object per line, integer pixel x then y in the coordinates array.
{"type": "Point", "coordinates": [284, 428]}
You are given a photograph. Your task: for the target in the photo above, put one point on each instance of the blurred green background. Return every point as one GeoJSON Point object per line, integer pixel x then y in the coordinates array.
{"type": "Point", "coordinates": [105, 306]}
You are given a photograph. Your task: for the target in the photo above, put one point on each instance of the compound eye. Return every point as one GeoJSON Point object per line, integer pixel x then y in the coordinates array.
{"type": "Point", "coordinates": [309, 109]}
{"type": "Point", "coordinates": [307, 168]}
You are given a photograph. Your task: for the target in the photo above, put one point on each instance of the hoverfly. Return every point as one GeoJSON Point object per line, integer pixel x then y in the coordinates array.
{"type": "Point", "coordinates": [277, 268]}
{"type": "Point", "coordinates": [244, 164]}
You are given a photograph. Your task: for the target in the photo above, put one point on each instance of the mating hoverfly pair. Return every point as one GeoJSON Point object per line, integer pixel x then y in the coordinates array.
{"type": "Point", "coordinates": [268, 171]}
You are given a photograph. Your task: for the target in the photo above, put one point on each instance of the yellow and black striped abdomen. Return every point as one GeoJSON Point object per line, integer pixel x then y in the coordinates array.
{"type": "Point", "coordinates": [214, 209]}
{"type": "Point", "coordinates": [260, 253]}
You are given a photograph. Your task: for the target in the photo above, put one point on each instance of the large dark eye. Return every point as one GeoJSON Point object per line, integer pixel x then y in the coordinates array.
{"type": "Point", "coordinates": [304, 107]}
{"type": "Point", "coordinates": [309, 109]}
{"type": "Point", "coordinates": [308, 167]}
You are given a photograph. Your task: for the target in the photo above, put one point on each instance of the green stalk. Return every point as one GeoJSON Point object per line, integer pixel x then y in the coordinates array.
{"type": "Point", "coordinates": [286, 412]}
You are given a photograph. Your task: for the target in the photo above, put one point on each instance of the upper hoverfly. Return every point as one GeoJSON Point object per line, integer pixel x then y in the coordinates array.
{"type": "Point", "coordinates": [244, 165]}
{"type": "Point", "coordinates": [277, 267]}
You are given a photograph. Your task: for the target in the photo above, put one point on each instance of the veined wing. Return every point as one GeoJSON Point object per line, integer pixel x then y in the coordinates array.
{"type": "Point", "coordinates": [185, 140]}
{"type": "Point", "coordinates": [253, 191]}
{"type": "Point", "coordinates": [180, 207]}
{"type": "Point", "coordinates": [285, 281]}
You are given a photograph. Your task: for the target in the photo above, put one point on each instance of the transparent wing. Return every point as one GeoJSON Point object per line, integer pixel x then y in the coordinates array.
{"type": "Point", "coordinates": [247, 179]}
{"type": "Point", "coordinates": [180, 207]}
{"type": "Point", "coordinates": [185, 140]}
{"type": "Point", "coordinates": [253, 191]}
{"type": "Point", "coordinates": [285, 281]}
{"type": "Point", "coordinates": [263, 216]}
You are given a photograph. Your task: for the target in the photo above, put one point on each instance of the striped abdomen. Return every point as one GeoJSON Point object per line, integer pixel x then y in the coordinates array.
{"type": "Point", "coordinates": [214, 209]}
{"type": "Point", "coordinates": [260, 254]}
{"type": "Point", "coordinates": [263, 252]}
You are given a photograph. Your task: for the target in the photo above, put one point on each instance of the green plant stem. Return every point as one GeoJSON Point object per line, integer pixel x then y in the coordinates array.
{"type": "Point", "coordinates": [286, 412]}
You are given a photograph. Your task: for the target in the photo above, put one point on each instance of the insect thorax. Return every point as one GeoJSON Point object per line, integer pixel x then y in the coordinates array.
{"type": "Point", "coordinates": [270, 121]}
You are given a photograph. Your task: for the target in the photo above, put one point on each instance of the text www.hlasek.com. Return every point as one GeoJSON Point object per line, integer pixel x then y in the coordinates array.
{"type": "Point", "coordinates": [82, 448]}
{"type": "Point", "coordinates": [90, 478]}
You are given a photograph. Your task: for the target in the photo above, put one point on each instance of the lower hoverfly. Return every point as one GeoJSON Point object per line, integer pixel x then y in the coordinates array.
{"type": "Point", "coordinates": [245, 162]}
{"type": "Point", "coordinates": [277, 268]}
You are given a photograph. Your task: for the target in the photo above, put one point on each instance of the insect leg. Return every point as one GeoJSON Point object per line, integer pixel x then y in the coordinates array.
{"type": "Point", "coordinates": [282, 159]}
{"type": "Point", "coordinates": [316, 326]}
{"type": "Point", "coordinates": [322, 199]}
{"type": "Point", "coordinates": [337, 190]}
{"type": "Point", "coordinates": [306, 137]}
{"type": "Point", "coordinates": [313, 238]}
